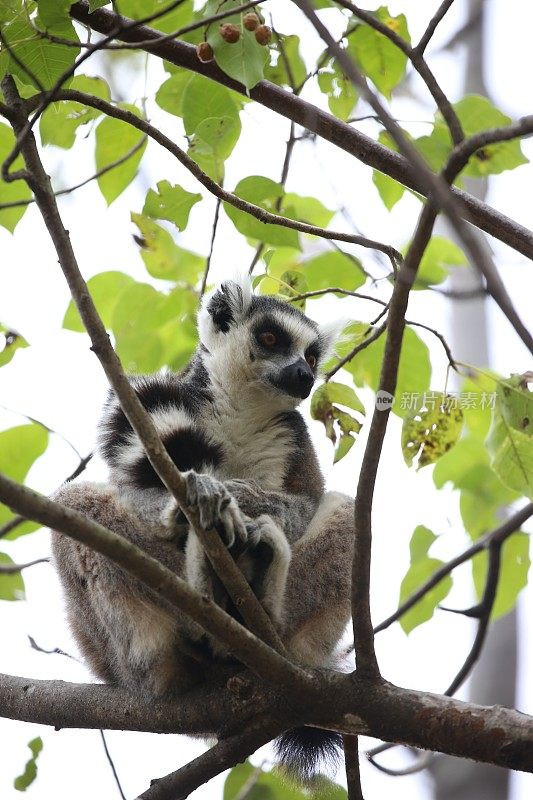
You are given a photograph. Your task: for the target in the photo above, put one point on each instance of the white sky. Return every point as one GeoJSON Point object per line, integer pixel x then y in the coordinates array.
{"type": "Point", "coordinates": [59, 381]}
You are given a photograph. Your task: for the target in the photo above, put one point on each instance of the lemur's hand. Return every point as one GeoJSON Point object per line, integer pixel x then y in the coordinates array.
{"type": "Point", "coordinates": [216, 508]}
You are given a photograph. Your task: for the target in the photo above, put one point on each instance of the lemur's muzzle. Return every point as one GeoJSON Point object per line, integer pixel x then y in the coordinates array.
{"type": "Point", "coordinates": [296, 379]}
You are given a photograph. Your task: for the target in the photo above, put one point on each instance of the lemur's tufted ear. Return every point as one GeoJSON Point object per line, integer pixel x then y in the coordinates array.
{"type": "Point", "coordinates": [226, 304]}
{"type": "Point", "coordinates": [330, 334]}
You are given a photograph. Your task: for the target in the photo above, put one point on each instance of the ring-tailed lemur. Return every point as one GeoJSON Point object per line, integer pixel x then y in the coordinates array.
{"type": "Point", "coordinates": [228, 420]}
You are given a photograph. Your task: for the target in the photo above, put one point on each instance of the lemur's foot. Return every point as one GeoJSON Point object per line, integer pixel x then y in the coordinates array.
{"type": "Point", "coordinates": [217, 509]}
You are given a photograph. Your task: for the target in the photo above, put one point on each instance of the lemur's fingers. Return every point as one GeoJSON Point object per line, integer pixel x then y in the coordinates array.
{"type": "Point", "coordinates": [216, 507]}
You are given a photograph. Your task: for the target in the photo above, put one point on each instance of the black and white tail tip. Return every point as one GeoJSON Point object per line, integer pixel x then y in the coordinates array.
{"type": "Point", "coordinates": [303, 752]}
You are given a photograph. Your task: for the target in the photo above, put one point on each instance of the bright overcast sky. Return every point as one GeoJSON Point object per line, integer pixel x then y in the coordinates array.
{"type": "Point", "coordinates": [59, 381]}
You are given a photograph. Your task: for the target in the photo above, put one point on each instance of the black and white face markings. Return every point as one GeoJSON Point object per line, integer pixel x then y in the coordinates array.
{"type": "Point", "coordinates": [287, 345]}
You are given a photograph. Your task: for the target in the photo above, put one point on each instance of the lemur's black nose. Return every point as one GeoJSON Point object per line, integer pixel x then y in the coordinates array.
{"type": "Point", "coordinates": [297, 379]}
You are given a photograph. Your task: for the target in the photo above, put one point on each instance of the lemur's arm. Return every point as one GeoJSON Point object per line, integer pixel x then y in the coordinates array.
{"type": "Point", "coordinates": [172, 408]}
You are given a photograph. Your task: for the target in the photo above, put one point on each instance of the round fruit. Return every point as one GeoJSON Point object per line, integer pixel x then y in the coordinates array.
{"type": "Point", "coordinates": [230, 33]}
{"type": "Point", "coordinates": [263, 34]}
{"type": "Point", "coordinates": [204, 51]}
{"type": "Point", "coordinates": [251, 21]}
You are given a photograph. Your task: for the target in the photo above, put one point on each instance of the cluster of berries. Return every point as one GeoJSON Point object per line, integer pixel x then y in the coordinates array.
{"type": "Point", "coordinates": [231, 34]}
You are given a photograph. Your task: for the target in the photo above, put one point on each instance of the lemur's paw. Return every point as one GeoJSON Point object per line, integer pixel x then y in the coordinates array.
{"type": "Point", "coordinates": [217, 508]}
{"type": "Point", "coordinates": [174, 523]}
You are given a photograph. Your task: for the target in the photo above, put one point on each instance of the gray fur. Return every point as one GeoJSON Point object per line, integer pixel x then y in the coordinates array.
{"type": "Point", "coordinates": [252, 473]}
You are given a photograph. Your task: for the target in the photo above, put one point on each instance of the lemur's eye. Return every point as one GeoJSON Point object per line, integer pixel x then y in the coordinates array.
{"type": "Point", "coordinates": [268, 338]}
{"type": "Point", "coordinates": [311, 360]}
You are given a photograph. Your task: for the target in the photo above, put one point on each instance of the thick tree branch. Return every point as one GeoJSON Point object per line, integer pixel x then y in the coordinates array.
{"type": "Point", "coordinates": [258, 656]}
{"type": "Point", "coordinates": [315, 120]}
{"type": "Point", "coordinates": [233, 580]}
{"type": "Point", "coordinates": [348, 704]}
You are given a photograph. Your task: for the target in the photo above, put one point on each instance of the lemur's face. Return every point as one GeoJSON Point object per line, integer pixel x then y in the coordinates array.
{"type": "Point", "coordinates": [262, 343]}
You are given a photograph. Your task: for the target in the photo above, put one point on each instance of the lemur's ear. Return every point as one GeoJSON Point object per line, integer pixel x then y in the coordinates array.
{"type": "Point", "coordinates": [330, 334]}
{"type": "Point", "coordinates": [226, 304]}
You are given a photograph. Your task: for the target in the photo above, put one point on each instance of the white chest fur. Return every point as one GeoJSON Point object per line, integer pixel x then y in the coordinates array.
{"type": "Point", "coordinates": [255, 444]}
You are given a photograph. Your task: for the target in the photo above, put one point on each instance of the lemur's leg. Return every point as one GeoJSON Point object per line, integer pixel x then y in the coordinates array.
{"type": "Point", "coordinates": [317, 597]}
{"type": "Point", "coordinates": [264, 560]}
{"type": "Point", "coordinates": [125, 634]}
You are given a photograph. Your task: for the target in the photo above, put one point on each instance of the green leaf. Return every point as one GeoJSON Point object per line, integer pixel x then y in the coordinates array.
{"type": "Point", "coordinates": [45, 61]}
{"type": "Point", "coordinates": [515, 562]}
{"type": "Point", "coordinates": [171, 93]}
{"type": "Point", "coordinates": [482, 497]}
{"type": "Point", "coordinates": [339, 89]}
{"type": "Point", "coordinates": [389, 190]}
{"type": "Point", "coordinates": [104, 289]}
{"type": "Point", "coordinates": [163, 258]}
{"type": "Point", "coordinates": [114, 139]}
{"type": "Point", "coordinates": [306, 209]}
{"type": "Point", "coordinates": [263, 192]}
{"type": "Point", "coordinates": [172, 203]}
{"type": "Point", "coordinates": [414, 369]}
{"type": "Point", "coordinates": [438, 256]}
{"type": "Point", "coordinates": [475, 113]}
{"type": "Point", "coordinates": [422, 567]}
{"type": "Point", "coordinates": [288, 51]}
{"type": "Point", "coordinates": [430, 430]}
{"type": "Point", "coordinates": [213, 142]}
{"type": "Point", "coordinates": [510, 440]}
{"type": "Point", "coordinates": [468, 453]}
{"type": "Point", "coordinates": [204, 99]}
{"type": "Point", "coordinates": [336, 421]}
{"type": "Point", "coordinates": [273, 784]}
{"type": "Point", "coordinates": [333, 269]}
{"type": "Point", "coordinates": [244, 60]}
{"type": "Point", "coordinates": [167, 23]}
{"type": "Point", "coordinates": [378, 57]}
{"type": "Point", "coordinates": [95, 4]}
{"type": "Point", "coordinates": [11, 585]}
{"type": "Point", "coordinates": [11, 341]}
{"type": "Point", "coordinates": [53, 12]}
{"type": "Point", "coordinates": [11, 192]}
{"type": "Point", "coordinates": [60, 120]}
{"type": "Point", "coordinates": [20, 447]}
{"type": "Point", "coordinates": [30, 770]}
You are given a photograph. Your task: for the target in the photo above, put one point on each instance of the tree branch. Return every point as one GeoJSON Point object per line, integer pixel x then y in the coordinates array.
{"type": "Point", "coordinates": [225, 754]}
{"type": "Point", "coordinates": [315, 120]}
{"type": "Point", "coordinates": [253, 652]}
{"type": "Point", "coordinates": [212, 186]}
{"type": "Point", "coordinates": [419, 64]}
{"type": "Point", "coordinates": [351, 760]}
{"type": "Point", "coordinates": [498, 535]}
{"type": "Point", "coordinates": [233, 580]}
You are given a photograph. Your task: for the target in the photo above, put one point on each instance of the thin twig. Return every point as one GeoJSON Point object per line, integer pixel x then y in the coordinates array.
{"type": "Point", "coordinates": [211, 185]}
{"type": "Point", "coordinates": [112, 765]}
{"type": "Point", "coordinates": [95, 176]}
{"type": "Point", "coordinates": [376, 333]}
{"type": "Point", "coordinates": [419, 64]}
{"type": "Point", "coordinates": [11, 569]}
{"type": "Point", "coordinates": [432, 25]}
{"type": "Point", "coordinates": [499, 534]}
{"type": "Point", "coordinates": [211, 247]}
